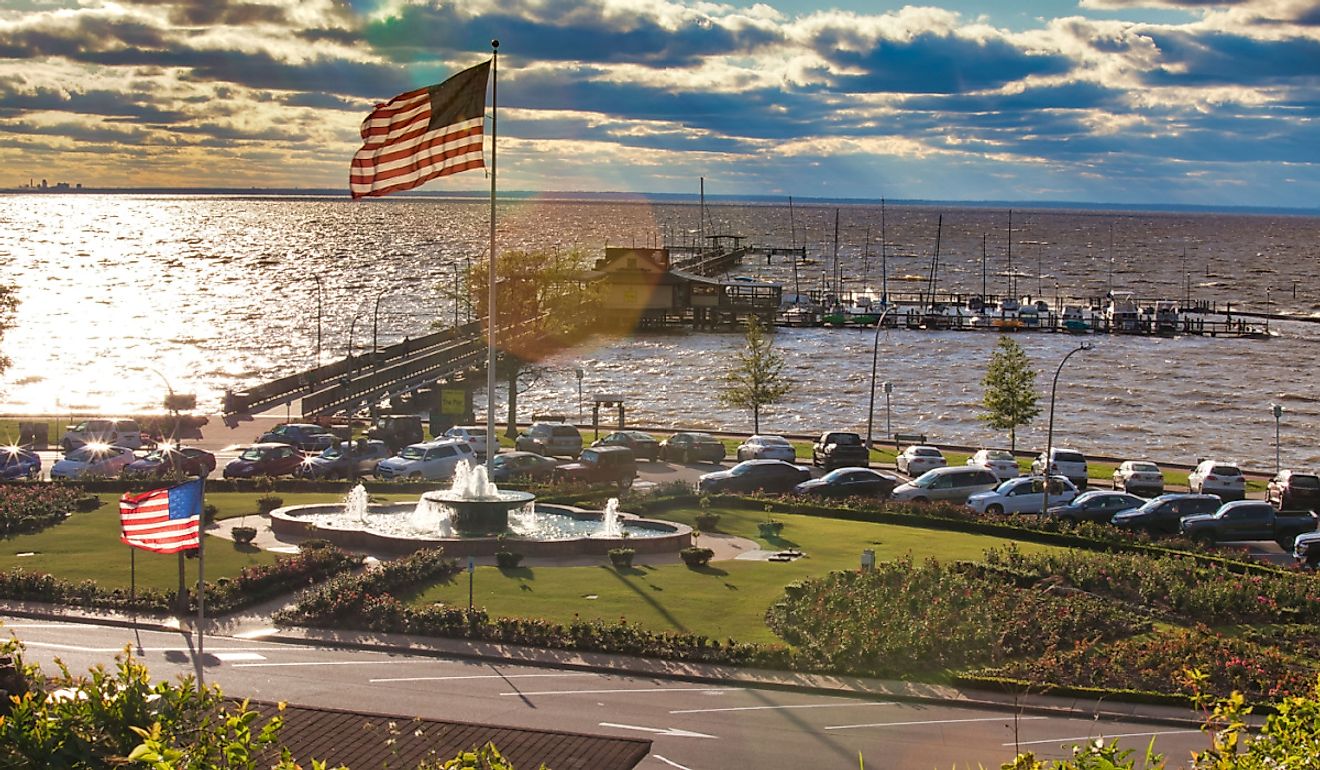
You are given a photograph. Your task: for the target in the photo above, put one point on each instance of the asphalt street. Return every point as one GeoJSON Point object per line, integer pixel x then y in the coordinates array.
{"type": "Point", "coordinates": [697, 726]}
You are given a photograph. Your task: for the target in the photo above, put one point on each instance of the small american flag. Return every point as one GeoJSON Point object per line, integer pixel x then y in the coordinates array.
{"type": "Point", "coordinates": [423, 134]}
{"type": "Point", "coordinates": [163, 520]}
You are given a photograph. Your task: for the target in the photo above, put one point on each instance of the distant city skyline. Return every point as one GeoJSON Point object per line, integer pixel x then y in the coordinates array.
{"type": "Point", "coordinates": [1183, 102]}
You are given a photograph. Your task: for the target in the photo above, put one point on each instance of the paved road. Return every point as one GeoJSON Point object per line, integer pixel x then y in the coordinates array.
{"type": "Point", "coordinates": [694, 726]}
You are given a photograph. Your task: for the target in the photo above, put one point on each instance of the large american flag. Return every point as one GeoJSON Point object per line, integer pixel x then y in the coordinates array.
{"type": "Point", "coordinates": [163, 520]}
{"type": "Point", "coordinates": [418, 136]}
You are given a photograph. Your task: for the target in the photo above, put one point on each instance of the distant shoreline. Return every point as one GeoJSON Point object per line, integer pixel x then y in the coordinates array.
{"type": "Point", "coordinates": [677, 198]}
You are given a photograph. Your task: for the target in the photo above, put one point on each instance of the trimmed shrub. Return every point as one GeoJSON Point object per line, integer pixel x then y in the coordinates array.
{"type": "Point", "coordinates": [621, 558]}
{"type": "Point", "coordinates": [268, 503]}
{"type": "Point", "coordinates": [508, 559]}
{"type": "Point", "coordinates": [694, 556]}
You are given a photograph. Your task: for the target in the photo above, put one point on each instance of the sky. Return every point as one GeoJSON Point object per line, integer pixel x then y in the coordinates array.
{"type": "Point", "coordinates": [1193, 102]}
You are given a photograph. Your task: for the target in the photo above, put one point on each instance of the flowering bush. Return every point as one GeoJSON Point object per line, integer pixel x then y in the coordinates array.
{"type": "Point", "coordinates": [902, 617]}
{"type": "Point", "coordinates": [29, 508]}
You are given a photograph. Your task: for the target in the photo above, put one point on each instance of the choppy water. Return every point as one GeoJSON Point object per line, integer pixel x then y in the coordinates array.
{"type": "Point", "coordinates": [216, 292]}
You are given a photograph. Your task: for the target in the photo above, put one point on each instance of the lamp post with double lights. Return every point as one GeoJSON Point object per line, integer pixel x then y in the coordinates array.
{"type": "Point", "coordinates": [1277, 410]}
{"type": "Point", "coordinates": [1049, 434]}
{"type": "Point", "coordinates": [875, 355]}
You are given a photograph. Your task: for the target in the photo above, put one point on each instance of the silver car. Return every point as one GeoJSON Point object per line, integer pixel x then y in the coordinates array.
{"type": "Point", "coordinates": [766, 448]}
{"type": "Point", "coordinates": [953, 485]}
{"type": "Point", "coordinates": [1139, 477]}
{"type": "Point", "coordinates": [998, 461]}
{"type": "Point", "coordinates": [916, 460]}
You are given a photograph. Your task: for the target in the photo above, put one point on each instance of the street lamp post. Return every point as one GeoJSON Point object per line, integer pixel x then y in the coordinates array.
{"type": "Point", "coordinates": [1049, 434]}
{"type": "Point", "coordinates": [375, 324]}
{"type": "Point", "coordinates": [578, 372]}
{"type": "Point", "coordinates": [875, 355]}
{"type": "Point", "coordinates": [889, 428]}
{"type": "Point", "coordinates": [319, 300]}
{"type": "Point", "coordinates": [1278, 412]}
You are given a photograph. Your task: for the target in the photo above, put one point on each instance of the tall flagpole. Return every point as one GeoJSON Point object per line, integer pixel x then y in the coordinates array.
{"type": "Point", "coordinates": [201, 588]}
{"type": "Point", "coordinates": [492, 445]}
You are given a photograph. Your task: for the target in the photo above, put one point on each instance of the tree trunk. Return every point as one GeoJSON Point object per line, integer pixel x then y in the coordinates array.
{"type": "Point", "coordinates": [511, 429]}
{"type": "Point", "coordinates": [1012, 439]}
{"type": "Point", "coordinates": [756, 420]}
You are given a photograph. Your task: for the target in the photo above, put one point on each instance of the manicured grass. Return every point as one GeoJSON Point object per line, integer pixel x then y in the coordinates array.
{"type": "Point", "coordinates": [9, 429]}
{"type": "Point", "coordinates": [87, 547]}
{"type": "Point", "coordinates": [726, 600]}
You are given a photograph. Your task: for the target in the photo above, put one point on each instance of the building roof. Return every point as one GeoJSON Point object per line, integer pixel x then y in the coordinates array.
{"type": "Point", "coordinates": [361, 741]}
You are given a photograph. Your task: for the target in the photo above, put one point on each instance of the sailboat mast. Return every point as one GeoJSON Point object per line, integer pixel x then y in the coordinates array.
{"type": "Point", "coordinates": [838, 283]}
{"type": "Point", "coordinates": [884, 258]}
{"type": "Point", "coordinates": [935, 260]}
{"type": "Point", "coordinates": [1012, 282]}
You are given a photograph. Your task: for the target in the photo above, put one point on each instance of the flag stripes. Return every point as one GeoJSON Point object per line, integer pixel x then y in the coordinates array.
{"type": "Point", "coordinates": [422, 134]}
{"type": "Point", "coordinates": [162, 520]}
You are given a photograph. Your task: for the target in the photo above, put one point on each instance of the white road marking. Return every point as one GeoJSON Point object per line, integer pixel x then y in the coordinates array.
{"type": "Point", "coordinates": [672, 732]}
{"type": "Point", "coordinates": [632, 690]}
{"type": "Point", "coordinates": [1007, 718]}
{"type": "Point", "coordinates": [1106, 737]}
{"type": "Point", "coordinates": [228, 657]}
{"type": "Point", "coordinates": [802, 706]}
{"type": "Point", "coordinates": [474, 676]}
{"type": "Point", "coordinates": [298, 664]}
{"type": "Point", "coordinates": [50, 625]}
{"type": "Point", "coordinates": [671, 762]}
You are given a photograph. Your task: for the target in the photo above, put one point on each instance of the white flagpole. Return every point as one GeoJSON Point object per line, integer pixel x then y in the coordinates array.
{"type": "Point", "coordinates": [492, 444]}
{"type": "Point", "coordinates": [201, 590]}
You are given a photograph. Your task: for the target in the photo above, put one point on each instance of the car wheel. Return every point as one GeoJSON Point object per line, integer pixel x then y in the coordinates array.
{"type": "Point", "coordinates": [995, 509]}
{"type": "Point", "coordinates": [414, 476]}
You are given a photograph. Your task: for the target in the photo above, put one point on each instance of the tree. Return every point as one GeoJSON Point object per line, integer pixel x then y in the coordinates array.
{"type": "Point", "coordinates": [8, 304]}
{"type": "Point", "coordinates": [756, 378]}
{"type": "Point", "coordinates": [1010, 389]}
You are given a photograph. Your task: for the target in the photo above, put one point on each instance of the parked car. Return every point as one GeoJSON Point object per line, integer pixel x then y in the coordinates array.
{"type": "Point", "coordinates": [1162, 515]}
{"type": "Point", "coordinates": [998, 461]}
{"type": "Point", "coordinates": [269, 459]}
{"type": "Point", "coordinates": [755, 476]}
{"type": "Point", "coordinates": [475, 435]}
{"type": "Point", "coordinates": [689, 448]}
{"type": "Point", "coordinates": [1025, 494]}
{"type": "Point", "coordinates": [345, 460]}
{"type": "Point", "coordinates": [643, 445]}
{"type": "Point", "coordinates": [1063, 462]}
{"type": "Point", "coordinates": [521, 466]}
{"type": "Point", "coordinates": [1294, 491]}
{"type": "Point", "coordinates": [305, 436]}
{"type": "Point", "coordinates": [601, 465]}
{"type": "Point", "coordinates": [171, 461]}
{"type": "Point", "coordinates": [100, 430]}
{"type": "Point", "coordinates": [1248, 520]}
{"type": "Point", "coordinates": [1212, 477]}
{"type": "Point", "coordinates": [92, 461]}
{"type": "Point", "coordinates": [1139, 477]}
{"type": "Point", "coordinates": [916, 460]}
{"type": "Point", "coordinates": [850, 482]}
{"type": "Point", "coordinates": [952, 485]}
{"type": "Point", "coordinates": [766, 448]}
{"type": "Point", "coordinates": [1306, 549]}
{"type": "Point", "coordinates": [840, 449]}
{"type": "Point", "coordinates": [1097, 505]}
{"type": "Point", "coordinates": [552, 439]}
{"type": "Point", "coordinates": [397, 430]}
{"type": "Point", "coordinates": [431, 460]}
{"type": "Point", "coordinates": [19, 463]}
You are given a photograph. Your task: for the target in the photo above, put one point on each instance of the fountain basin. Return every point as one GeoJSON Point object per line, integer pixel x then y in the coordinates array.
{"type": "Point", "coordinates": [480, 516]}
{"type": "Point", "coordinates": [385, 531]}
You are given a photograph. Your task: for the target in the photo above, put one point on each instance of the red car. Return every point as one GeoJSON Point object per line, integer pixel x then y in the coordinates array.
{"type": "Point", "coordinates": [171, 461]}
{"type": "Point", "coordinates": [264, 460]}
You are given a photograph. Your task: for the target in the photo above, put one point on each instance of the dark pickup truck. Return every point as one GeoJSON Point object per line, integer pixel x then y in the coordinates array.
{"type": "Point", "coordinates": [1248, 520]}
{"type": "Point", "coordinates": [840, 449]}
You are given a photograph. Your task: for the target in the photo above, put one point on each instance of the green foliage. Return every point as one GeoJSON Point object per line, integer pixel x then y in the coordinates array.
{"type": "Point", "coordinates": [28, 508]}
{"type": "Point", "coordinates": [1010, 389]}
{"type": "Point", "coordinates": [8, 306]}
{"type": "Point", "coordinates": [756, 376]}
{"type": "Point", "coordinates": [268, 503]}
{"type": "Point", "coordinates": [621, 557]}
{"type": "Point", "coordinates": [508, 559]}
{"type": "Point", "coordinates": [694, 556]}
{"type": "Point", "coordinates": [708, 521]}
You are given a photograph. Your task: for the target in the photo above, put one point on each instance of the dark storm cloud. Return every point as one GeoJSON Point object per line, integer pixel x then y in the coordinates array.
{"type": "Point", "coordinates": [931, 63]}
{"type": "Point", "coordinates": [1236, 60]}
{"type": "Point", "coordinates": [563, 30]}
{"type": "Point", "coordinates": [199, 13]}
{"type": "Point", "coordinates": [135, 107]}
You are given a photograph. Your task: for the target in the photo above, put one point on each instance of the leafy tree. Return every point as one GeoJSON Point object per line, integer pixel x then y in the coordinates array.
{"type": "Point", "coordinates": [1010, 389]}
{"type": "Point", "coordinates": [756, 378]}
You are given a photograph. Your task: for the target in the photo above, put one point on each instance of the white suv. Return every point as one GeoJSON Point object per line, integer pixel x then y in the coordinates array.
{"type": "Point", "coordinates": [998, 461]}
{"type": "Point", "coordinates": [1063, 462]}
{"type": "Point", "coordinates": [474, 435]}
{"type": "Point", "coordinates": [1212, 477]}
{"type": "Point", "coordinates": [431, 460]}
{"type": "Point", "coordinates": [125, 433]}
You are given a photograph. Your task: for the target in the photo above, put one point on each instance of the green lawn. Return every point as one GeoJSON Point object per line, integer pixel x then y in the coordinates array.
{"type": "Point", "coordinates": [87, 547]}
{"type": "Point", "coordinates": [727, 600]}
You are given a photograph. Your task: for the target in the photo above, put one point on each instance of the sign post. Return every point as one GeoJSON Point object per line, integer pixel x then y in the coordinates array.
{"type": "Point", "coordinates": [472, 568]}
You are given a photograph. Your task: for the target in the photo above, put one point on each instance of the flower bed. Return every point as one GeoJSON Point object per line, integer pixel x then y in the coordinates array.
{"type": "Point", "coordinates": [901, 617]}
{"type": "Point", "coordinates": [29, 508]}
{"type": "Point", "coordinates": [252, 585]}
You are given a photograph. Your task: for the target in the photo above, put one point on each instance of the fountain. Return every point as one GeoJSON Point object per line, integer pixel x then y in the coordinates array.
{"type": "Point", "coordinates": [474, 517]}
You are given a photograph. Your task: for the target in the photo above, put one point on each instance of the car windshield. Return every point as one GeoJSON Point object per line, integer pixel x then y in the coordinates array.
{"type": "Point", "coordinates": [1068, 457]}
{"type": "Point", "coordinates": [927, 479]}
{"type": "Point", "coordinates": [252, 453]}
{"type": "Point", "coordinates": [1225, 470]}
{"type": "Point", "coordinates": [1144, 468]}
{"type": "Point", "coordinates": [926, 452]}
{"type": "Point", "coordinates": [12, 458]}
{"type": "Point", "coordinates": [703, 438]}
{"type": "Point", "coordinates": [845, 439]}
{"type": "Point", "coordinates": [835, 475]}
{"type": "Point", "coordinates": [998, 454]}
{"type": "Point", "coordinates": [589, 456]}
{"type": "Point", "coordinates": [333, 452]}
{"type": "Point", "coordinates": [1305, 481]}
{"type": "Point", "coordinates": [1010, 485]}
{"type": "Point", "coordinates": [773, 441]}
{"type": "Point", "coordinates": [413, 452]}
{"type": "Point", "coordinates": [639, 436]}
{"type": "Point", "coordinates": [742, 469]}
